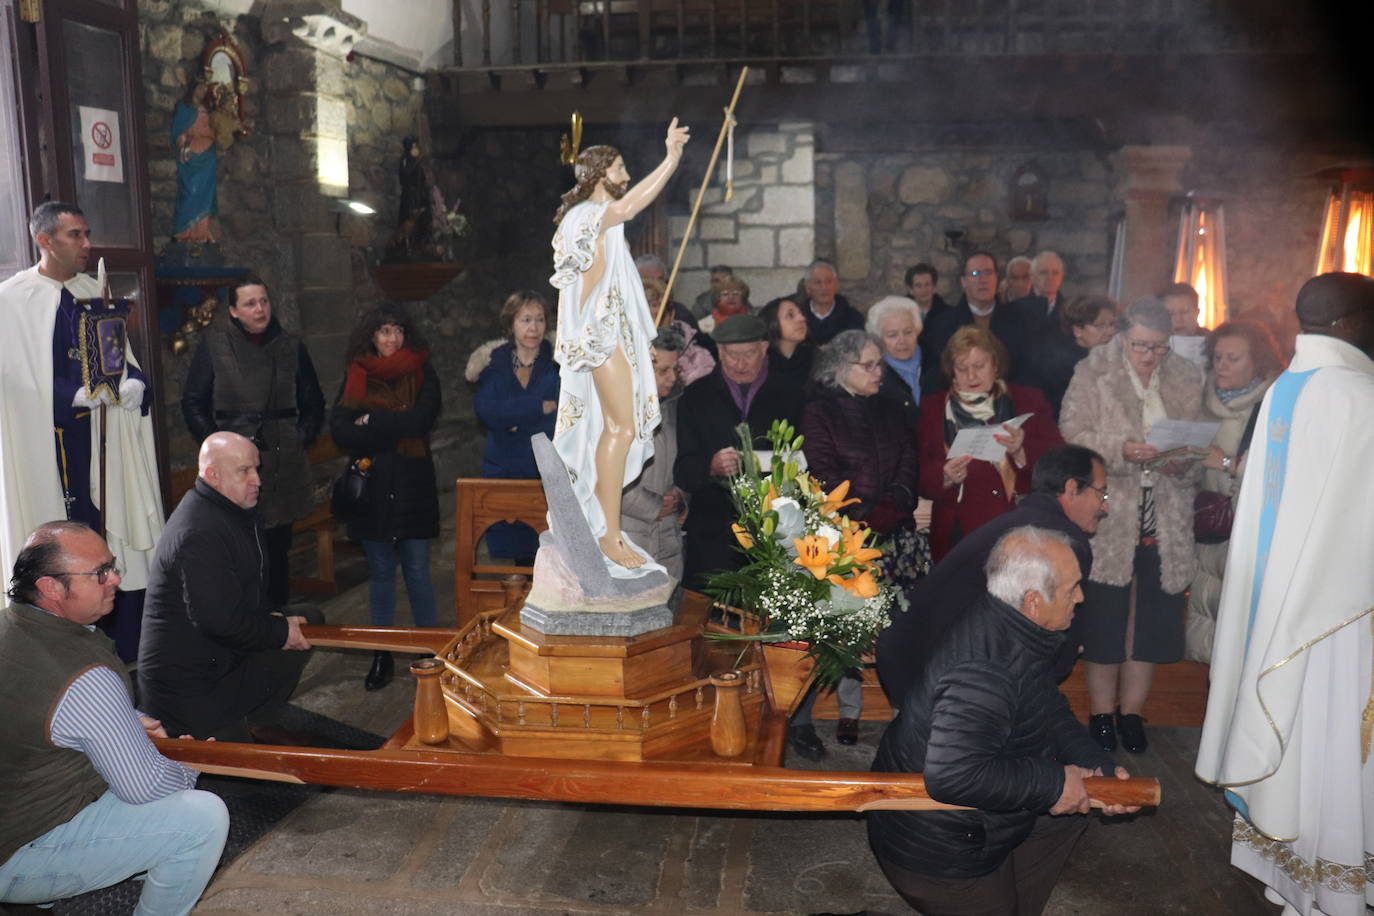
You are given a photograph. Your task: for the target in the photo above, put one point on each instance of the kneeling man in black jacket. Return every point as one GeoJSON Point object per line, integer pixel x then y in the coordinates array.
{"type": "Point", "coordinates": [987, 726]}
{"type": "Point", "coordinates": [216, 658]}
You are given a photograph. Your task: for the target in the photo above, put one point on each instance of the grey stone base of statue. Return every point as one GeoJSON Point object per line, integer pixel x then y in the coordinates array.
{"type": "Point", "coordinates": [573, 594]}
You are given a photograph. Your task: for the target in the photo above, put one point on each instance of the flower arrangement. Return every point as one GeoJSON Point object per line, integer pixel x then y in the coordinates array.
{"type": "Point", "coordinates": [811, 571]}
{"type": "Point", "coordinates": [446, 225]}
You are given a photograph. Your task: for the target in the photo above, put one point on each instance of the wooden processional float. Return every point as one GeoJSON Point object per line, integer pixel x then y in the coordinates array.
{"type": "Point", "coordinates": [671, 718]}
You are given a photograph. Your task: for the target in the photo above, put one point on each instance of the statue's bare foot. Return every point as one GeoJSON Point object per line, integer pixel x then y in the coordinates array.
{"type": "Point", "coordinates": [617, 550]}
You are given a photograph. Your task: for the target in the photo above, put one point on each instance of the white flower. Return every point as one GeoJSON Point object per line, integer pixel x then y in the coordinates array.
{"type": "Point", "coordinates": [791, 521]}
{"type": "Point", "coordinates": [831, 534]}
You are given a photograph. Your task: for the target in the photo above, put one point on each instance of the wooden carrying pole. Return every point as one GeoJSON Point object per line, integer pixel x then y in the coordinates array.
{"type": "Point", "coordinates": [672, 785]}
{"type": "Point", "coordinates": [701, 194]}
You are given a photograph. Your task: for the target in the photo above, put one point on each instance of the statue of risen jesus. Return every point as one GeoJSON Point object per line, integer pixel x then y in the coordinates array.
{"type": "Point", "coordinates": [608, 405]}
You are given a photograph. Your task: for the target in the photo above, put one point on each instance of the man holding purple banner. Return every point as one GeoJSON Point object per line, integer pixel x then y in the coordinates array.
{"type": "Point", "coordinates": [63, 364]}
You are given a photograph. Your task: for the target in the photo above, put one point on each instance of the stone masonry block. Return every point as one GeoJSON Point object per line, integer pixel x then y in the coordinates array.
{"type": "Point", "coordinates": [324, 309]}
{"type": "Point", "coordinates": [924, 185]}
{"type": "Point", "coordinates": [851, 222]}
{"type": "Point", "coordinates": [325, 261]}
{"type": "Point", "coordinates": [765, 142]}
{"type": "Point", "coordinates": [290, 113]}
{"type": "Point", "coordinates": [717, 229]}
{"type": "Point", "coordinates": [790, 205]}
{"type": "Point", "coordinates": [800, 167]}
{"type": "Point", "coordinates": [754, 248]}
{"type": "Point", "coordinates": [796, 247]}
{"type": "Point", "coordinates": [290, 69]}
{"type": "Point", "coordinates": [331, 118]}
{"type": "Point", "coordinates": [745, 198]}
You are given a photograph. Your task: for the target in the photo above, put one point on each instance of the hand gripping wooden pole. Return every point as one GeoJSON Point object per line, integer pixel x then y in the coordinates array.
{"type": "Point", "coordinates": [701, 193]}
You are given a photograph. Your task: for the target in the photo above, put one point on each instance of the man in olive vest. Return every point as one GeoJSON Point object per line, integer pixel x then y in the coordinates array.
{"type": "Point", "coordinates": [251, 377]}
{"type": "Point", "coordinates": [87, 799]}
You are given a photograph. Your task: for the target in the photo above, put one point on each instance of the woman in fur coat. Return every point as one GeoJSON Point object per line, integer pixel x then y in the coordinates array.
{"type": "Point", "coordinates": [1117, 394]}
{"type": "Point", "coordinates": [1244, 359]}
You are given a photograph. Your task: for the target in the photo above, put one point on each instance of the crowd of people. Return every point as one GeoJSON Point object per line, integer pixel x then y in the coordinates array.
{"type": "Point", "coordinates": [1077, 524]}
{"type": "Point", "coordinates": [880, 396]}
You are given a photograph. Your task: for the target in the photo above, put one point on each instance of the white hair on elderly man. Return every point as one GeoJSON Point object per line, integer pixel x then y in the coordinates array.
{"type": "Point", "coordinates": [1020, 562]}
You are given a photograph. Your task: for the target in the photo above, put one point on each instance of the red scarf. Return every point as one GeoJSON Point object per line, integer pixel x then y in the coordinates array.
{"type": "Point", "coordinates": [384, 368]}
{"type": "Point", "coordinates": [723, 311]}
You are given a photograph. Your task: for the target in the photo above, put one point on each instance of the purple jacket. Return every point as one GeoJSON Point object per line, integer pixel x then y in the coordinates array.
{"type": "Point", "coordinates": [867, 441]}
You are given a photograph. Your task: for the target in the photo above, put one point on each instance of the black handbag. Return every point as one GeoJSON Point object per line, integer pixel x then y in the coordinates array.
{"type": "Point", "coordinates": [350, 498]}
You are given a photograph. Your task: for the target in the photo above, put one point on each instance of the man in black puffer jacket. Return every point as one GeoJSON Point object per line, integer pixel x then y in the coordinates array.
{"type": "Point", "coordinates": [989, 730]}
{"type": "Point", "coordinates": [217, 658]}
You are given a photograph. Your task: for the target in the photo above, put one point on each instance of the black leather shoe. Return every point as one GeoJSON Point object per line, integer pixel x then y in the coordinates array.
{"type": "Point", "coordinates": [1103, 733]}
{"type": "Point", "coordinates": [381, 672]}
{"type": "Point", "coordinates": [805, 741]}
{"type": "Point", "coordinates": [1132, 729]}
{"type": "Point", "coordinates": [847, 731]}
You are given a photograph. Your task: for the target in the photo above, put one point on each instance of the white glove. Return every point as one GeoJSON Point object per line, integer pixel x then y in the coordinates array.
{"type": "Point", "coordinates": [83, 399]}
{"type": "Point", "coordinates": [131, 394]}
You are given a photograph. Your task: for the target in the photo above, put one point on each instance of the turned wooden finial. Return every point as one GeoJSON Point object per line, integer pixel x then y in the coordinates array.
{"type": "Point", "coordinates": [514, 587]}
{"type": "Point", "coordinates": [431, 715]}
{"type": "Point", "coordinates": [728, 734]}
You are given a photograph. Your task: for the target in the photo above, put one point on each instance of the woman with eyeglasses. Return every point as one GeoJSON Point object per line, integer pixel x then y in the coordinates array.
{"type": "Point", "coordinates": [969, 491]}
{"type": "Point", "coordinates": [853, 434]}
{"type": "Point", "coordinates": [1245, 359]}
{"type": "Point", "coordinates": [1143, 554]}
{"type": "Point", "coordinates": [1085, 323]}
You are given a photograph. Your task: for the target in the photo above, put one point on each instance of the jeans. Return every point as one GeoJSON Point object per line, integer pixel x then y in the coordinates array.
{"type": "Point", "coordinates": [177, 840]}
{"type": "Point", "coordinates": [381, 580]}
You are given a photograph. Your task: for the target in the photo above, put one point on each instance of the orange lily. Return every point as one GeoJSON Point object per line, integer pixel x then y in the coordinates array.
{"type": "Point", "coordinates": [853, 539]}
{"type": "Point", "coordinates": [864, 585]}
{"type": "Point", "coordinates": [772, 495]}
{"type": "Point", "coordinates": [835, 499]}
{"type": "Point", "coordinates": [814, 553]}
{"type": "Point", "coordinates": [742, 536]}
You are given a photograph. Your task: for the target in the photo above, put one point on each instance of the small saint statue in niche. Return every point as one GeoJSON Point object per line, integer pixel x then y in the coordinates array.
{"type": "Point", "coordinates": [608, 400]}
{"type": "Point", "coordinates": [193, 138]}
{"type": "Point", "coordinates": [414, 235]}
{"type": "Point", "coordinates": [1028, 198]}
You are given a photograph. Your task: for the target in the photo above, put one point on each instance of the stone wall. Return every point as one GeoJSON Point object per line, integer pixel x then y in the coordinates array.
{"type": "Point", "coordinates": [766, 231]}
{"type": "Point", "coordinates": [260, 220]}
{"type": "Point", "coordinates": [879, 213]}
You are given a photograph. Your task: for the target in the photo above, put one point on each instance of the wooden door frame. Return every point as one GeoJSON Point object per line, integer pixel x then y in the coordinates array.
{"type": "Point", "coordinates": [48, 146]}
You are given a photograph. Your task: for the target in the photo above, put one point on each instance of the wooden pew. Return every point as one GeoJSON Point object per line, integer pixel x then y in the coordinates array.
{"type": "Point", "coordinates": [482, 502]}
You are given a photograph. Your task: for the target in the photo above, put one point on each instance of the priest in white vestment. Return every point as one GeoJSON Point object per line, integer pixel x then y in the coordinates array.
{"type": "Point", "coordinates": [608, 401]}
{"type": "Point", "coordinates": [1289, 712]}
{"type": "Point", "coordinates": [49, 446]}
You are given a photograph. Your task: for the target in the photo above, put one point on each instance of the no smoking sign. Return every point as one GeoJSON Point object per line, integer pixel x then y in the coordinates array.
{"type": "Point", "coordinates": [100, 128]}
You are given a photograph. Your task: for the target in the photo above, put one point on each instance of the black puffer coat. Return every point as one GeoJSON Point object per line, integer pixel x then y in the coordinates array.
{"type": "Point", "coordinates": [988, 728]}
{"type": "Point", "coordinates": [402, 491]}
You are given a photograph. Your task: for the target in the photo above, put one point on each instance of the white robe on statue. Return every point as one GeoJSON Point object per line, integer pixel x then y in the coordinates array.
{"type": "Point", "coordinates": [1289, 690]}
{"type": "Point", "coordinates": [30, 480]}
{"type": "Point", "coordinates": [616, 314]}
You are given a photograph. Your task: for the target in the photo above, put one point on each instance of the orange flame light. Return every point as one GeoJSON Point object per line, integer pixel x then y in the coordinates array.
{"type": "Point", "coordinates": [1201, 258]}
{"type": "Point", "coordinates": [1348, 224]}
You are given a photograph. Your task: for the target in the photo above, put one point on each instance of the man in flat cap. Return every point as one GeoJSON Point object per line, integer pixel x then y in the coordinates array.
{"type": "Point", "coordinates": [737, 391]}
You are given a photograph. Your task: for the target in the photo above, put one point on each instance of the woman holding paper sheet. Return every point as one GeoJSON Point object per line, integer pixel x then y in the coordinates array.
{"type": "Point", "coordinates": [970, 491]}
{"type": "Point", "coordinates": [1143, 559]}
{"type": "Point", "coordinates": [1244, 358]}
